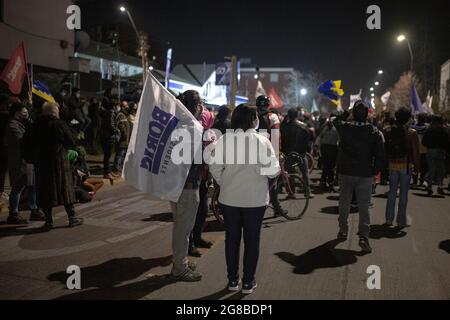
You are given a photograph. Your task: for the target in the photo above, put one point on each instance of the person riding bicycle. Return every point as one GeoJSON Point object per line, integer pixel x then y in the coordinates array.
{"type": "Point", "coordinates": [295, 138]}
{"type": "Point", "coordinates": [268, 121]}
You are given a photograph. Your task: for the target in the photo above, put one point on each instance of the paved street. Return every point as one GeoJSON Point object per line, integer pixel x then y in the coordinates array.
{"type": "Point", "coordinates": [124, 252]}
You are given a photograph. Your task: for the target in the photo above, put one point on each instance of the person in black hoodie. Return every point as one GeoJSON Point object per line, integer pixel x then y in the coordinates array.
{"type": "Point", "coordinates": [436, 140]}
{"type": "Point", "coordinates": [361, 153]}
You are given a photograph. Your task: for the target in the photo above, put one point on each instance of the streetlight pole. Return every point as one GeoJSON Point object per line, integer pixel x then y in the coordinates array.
{"type": "Point", "coordinates": [142, 44]}
{"type": "Point", "coordinates": [401, 38]}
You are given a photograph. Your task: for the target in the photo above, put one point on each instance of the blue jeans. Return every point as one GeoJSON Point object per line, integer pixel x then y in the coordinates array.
{"type": "Point", "coordinates": [16, 192]}
{"type": "Point", "coordinates": [403, 179]}
{"type": "Point", "coordinates": [248, 220]}
{"type": "Point", "coordinates": [119, 158]}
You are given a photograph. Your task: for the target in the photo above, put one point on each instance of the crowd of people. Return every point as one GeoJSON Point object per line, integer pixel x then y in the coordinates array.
{"type": "Point", "coordinates": [44, 147]}
{"type": "Point", "coordinates": [44, 151]}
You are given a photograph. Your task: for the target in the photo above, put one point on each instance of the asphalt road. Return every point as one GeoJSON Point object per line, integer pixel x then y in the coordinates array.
{"type": "Point", "coordinates": [124, 252]}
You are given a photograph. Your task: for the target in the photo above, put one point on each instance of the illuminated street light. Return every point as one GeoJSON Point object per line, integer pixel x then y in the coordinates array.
{"type": "Point", "coordinates": [303, 92]}
{"type": "Point", "coordinates": [372, 95]}
{"type": "Point", "coordinates": [377, 83]}
{"type": "Point", "coordinates": [401, 38]}
{"type": "Point", "coordinates": [256, 77]}
{"type": "Point", "coordinates": [123, 9]}
{"type": "Point", "coordinates": [151, 68]}
{"type": "Point", "coordinates": [380, 71]}
{"type": "Point", "coordinates": [371, 88]}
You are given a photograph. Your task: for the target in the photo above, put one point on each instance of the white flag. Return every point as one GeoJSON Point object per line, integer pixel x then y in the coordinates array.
{"type": "Point", "coordinates": [354, 98]}
{"type": "Point", "coordinates": [148, 164]}
{"type": "Point", "coordinates": [260, 90]}
{"type": "Point", "coordinates": [385, 97]}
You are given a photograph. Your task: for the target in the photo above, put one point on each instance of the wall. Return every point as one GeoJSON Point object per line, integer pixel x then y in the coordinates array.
{"type": "Point", "coordinates": [41, 24]}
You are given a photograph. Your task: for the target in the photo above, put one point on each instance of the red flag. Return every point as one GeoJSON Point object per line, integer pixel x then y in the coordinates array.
{"type": "Point", "coordinates": [275, 101]}
{"type": "Point", "coordinates": [15, 70]}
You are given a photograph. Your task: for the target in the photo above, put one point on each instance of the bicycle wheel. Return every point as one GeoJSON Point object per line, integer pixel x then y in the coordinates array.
{"type": "Point", "coordinates": [215, 205]}
{"type": "Point", "coordinates": [293, 195]}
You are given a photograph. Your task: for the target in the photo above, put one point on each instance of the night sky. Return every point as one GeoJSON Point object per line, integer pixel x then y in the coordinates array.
{"type": "Point", "coordinates": [328, 37]}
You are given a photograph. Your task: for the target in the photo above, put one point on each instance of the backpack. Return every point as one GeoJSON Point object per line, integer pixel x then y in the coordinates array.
{"type": "Point", "coordinates": [396, 143]}
{"type": "Point", "coordinates": [264, 122]}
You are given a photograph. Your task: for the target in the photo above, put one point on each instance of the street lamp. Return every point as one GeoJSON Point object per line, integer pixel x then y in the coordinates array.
{"type": "Point", "coordinates": [303, 92]}
{"type": "Point", "coordinates": [377, 83]}
{"type": "Point", "coordinates": [256, 76]}
{"type": "Point", "coordinates": [380, 71]}
{"type": "Point", "coordinates": [402, 38]}
{"type": "Point", "coordinates": [372, 95]}
{"type": "Point", "coordinates": [142, 44]}
{"type": "Point", "coordinates": [371, 88]}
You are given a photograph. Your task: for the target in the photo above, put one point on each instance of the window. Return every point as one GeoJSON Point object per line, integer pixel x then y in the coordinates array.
{"type": "Point", "coordinates": [274, 77]}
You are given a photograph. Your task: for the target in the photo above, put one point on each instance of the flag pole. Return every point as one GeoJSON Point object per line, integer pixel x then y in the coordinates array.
{"type": "Point", "coordinates": [30, 85]}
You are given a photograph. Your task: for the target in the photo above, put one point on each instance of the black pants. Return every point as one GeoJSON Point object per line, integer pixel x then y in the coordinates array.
{"type": "Point", "coordinates": [423, 170]}
{"type": "Point", "coordinates": [3, 167]}
{"type": "Point", "coordinates": [202, 213]}
{"type": "Point", "coordinates": [237, 220]}
{"type": "Point", "coordinates": [70, 210]}
{"type": "Point", "coordinates": [329, 158]}
{"type": "Point", "coordinates": [107, 146]}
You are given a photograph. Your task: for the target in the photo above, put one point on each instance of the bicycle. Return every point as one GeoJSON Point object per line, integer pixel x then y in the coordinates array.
{"type": "Point", "coordinates": [293, 192]}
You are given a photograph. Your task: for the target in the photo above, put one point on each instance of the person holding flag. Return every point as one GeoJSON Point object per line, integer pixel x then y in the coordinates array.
{"type": "Point", "coordinates": [361, 153]}
{"type": "Point", "coordinates": [154, 163]}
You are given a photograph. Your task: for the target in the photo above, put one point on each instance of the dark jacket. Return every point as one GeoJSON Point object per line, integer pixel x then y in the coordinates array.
{"type": "Point", "coordinates": [436, 138]}
{"type": "Point", "coordinates": [75, 104]}
{"type": "Point", "coordinates": [361, 150]}
{"type": "Point", "coordinates": [124, 127]}
{"type": "Point", "coordinates": [16, 164]}
{"type": "Point", "coordinates": [50, 138]}
{"type": "Point", "coordinates": [109, 130]}
{"type": "Point", "coordinates": [294, 138]}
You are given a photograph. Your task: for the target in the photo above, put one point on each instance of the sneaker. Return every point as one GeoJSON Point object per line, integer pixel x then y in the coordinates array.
{"type": "Point", "coordinates": [73, 222]}
{"type": "Point", "coordinates": [193, 252]}
{"type": "Point", "coordinates": [234, 285]}
{"type": "Point", "coordinates": [403, 226]}
{"type": "Point", "coordinates": [440, 191]}
{"type": "Point", "coordinates": [187, 276]}
{"type": "Point", "coordinates": [37, 215]}
{"type": "Point", "coordinates": [192, 265]}
{"type": "Point", "coordinates": [47, 226]}
{"type": "Point", "coordinates": [248, 288]}
{"type": "Point", "coordinates": [278, 212]}
{"type": "Point", "coordinates": [364, 244]}
{"type": "Point", "coordinates": [15, 219]}
{"type": "Point", "coordinates": [202, 243]}
{"type": "Point", "coordinates": [430, 192]}
{"type": "Point", "coordinates": [310, 195]}
{"type": "Point", "coordinates": [342, 235]}
{"type": "Point", "coordinates": [388, 224]}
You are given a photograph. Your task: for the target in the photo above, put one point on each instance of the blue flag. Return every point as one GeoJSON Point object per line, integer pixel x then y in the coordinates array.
{"type": "Point", "coordinates": [415, 101]}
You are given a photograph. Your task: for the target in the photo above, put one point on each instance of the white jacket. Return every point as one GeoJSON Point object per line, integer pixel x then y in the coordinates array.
{"type": "Point", "coordinates": [244, 184]}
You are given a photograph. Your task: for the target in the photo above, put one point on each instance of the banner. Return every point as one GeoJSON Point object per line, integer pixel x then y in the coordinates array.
{"type": "Point", "coordinates": [16, 69]}
{"type": "Point", "coordinates": [149, 165]}
{"type": "Point", "coordinates": [354, 98]}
